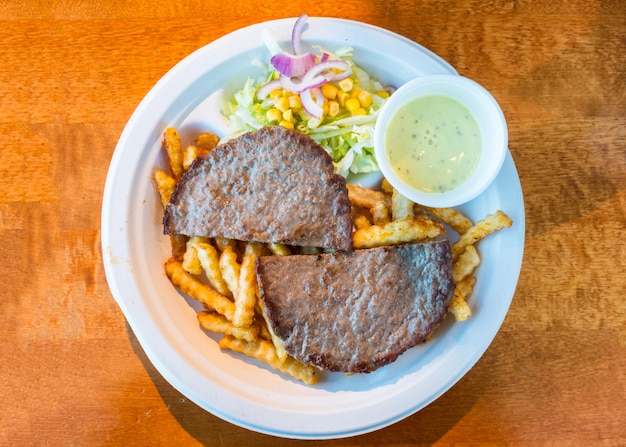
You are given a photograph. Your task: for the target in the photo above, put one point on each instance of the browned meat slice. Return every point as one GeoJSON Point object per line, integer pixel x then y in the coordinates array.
{"type": "Point", "coordinates": [356, 311]}
{"type": "Point", "coordinates": [272, 185]}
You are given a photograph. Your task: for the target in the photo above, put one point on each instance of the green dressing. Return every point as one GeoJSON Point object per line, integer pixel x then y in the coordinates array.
{"type": "Point", "coordinates": [433, 143]}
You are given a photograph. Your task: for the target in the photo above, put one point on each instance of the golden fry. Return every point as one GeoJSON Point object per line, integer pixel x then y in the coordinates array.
{"type": "Point", "coordinates": [207, 141]}
{"type": "Point", "coordinates": [191, 262]}
{"type": "Point", "coordinates": [466, 286]}
{"type": "Point", "coordinates": [264, 332]}
{"type": "Point", "coordinates": [173, 149]}
{"type": "Point", "coordinates": [466, 264]}
{"type": "Point", "coordinates": [380, 213]}
{"type": "Point", "coordinates": [365, 197]}
{"type": "Point", "coordinates": [458, 306]}
{"type": "Point", "coordinates": [281, 352]}
{"type": "Point", "coordinates": [483, 228]}
{"type": "Point", "coordinates": [179, 246]}
{"type": "Point", "coordinates": [279, 249]}
{"type": "Point", "coordinates": [245, 299]}
{"type": "Point", "coordinates": [361, 221]}
{"type": "Point", "coordinates": [397, 232]}
{"type": "Point", "coordinates": [221, 243]}
{"type": "Point", "coordinates": [386, 186]}
{"type": "Point", "coordinates": [401, 207]}
{"type": "Point", "coordinates": [230, 269]}
{"type": "Point", "coordinates": [165, 185]}
{"type": "Point", "coordinates": [453, 218]}
{"type": "Point", "coordinates": [198, 290]}
{"type": "Point", "coordinates": [212, 321]}
{"type": "Point", "coordinates": [189, 155]}
{"type": "Point", "coordinates": [265, 352]}
{"type": "Point", "coordinates": [209, 260]}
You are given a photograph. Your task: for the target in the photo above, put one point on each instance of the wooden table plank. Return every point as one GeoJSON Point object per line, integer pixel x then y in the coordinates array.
{"type": "Point", "coordinates": [72, 74]}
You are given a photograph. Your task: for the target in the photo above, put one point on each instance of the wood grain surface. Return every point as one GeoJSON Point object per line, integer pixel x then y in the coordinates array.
{"type": "Point", "coordinates": [71, 74]}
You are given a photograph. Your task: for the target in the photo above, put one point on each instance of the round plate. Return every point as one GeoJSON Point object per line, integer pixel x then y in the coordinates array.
{"type": "Point", "coordinates": [230, 386]}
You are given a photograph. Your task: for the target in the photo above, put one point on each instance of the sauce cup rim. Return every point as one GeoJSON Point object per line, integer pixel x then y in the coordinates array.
{"type": "Point", "coordinates": [490, 120]}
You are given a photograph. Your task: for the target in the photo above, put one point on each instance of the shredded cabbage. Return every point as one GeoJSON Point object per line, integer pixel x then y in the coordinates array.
{"type": "Point", "coordinates": [349, 140]}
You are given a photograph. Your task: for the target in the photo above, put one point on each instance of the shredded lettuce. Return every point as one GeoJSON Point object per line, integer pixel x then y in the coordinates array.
{"type": "Point", "coordinates": [349, 140]}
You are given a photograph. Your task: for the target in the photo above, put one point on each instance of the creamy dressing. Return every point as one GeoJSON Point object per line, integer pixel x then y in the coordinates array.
{"type": "Point", "coordinates": [433, 143]}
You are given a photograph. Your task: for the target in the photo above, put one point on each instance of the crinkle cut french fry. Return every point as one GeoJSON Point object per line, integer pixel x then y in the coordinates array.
{"type": "Point", "coordinates": [281, 352]}
{"type": "Point", "coordinates": [230, 269]}
{"type": "Point", "coordinates": [245, 299]}
{"type": "Point", "coordinates": [386, 186]}
{"type": "Point", "coordinates": [482, 228]}
{"type": "Point", "coordinates": [264, 332]}
{"type": "Point", "coordinates": [212, 321]}
{"type": "Point", "coordinates": [173, 149]}
{"type": "Point", "coordinates": [221, 243]}
{"type": "Point", "coordinates": [209, 260]}
{"type": "Point", "coordinates": [165, 185]}
{"type": "Point", "coordinates": [197, 289]}
{"type": "Point", "coordinates": [365, 197]}
{"type": "Point", "coordinates": [466, 264]}
{"type": "Point", "coordinates": [279, 249]}
{"type": "Point", "coordinates": [397, 232]}
{"type": "Point", "coordinates": [380, 213]}
{"type": "Point", "coordinates": [207, 141]}
{"type": "Point", "coordinates": [191, 262]}
{"type": "Point", "coordinates": [265, 352]}
{"type": "Point", "coordinates": [401, 207]}
{"type": "Point", "coordinates": [458, 306]}
{"type": "Point", "coordinates": [453, 218]}
{"type": "Point", "coordinates": [178, 243]}
{"type": "Point", "coordinates": [190, 153]}
{"type": "Point", "coordinates": [361, 221]}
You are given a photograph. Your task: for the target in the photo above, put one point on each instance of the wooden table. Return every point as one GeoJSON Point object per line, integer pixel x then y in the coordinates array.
{"type": "Point", "coordinates": [72, 73]}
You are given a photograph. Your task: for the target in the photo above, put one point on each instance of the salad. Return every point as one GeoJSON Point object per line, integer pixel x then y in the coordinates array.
{"type": "Point", "coordinates": [320, 93]}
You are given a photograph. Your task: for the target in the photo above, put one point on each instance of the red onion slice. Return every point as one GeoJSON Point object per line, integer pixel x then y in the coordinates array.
{"type": "Point", "coordinates": [298, 86]}
{"type": "Point", "coordinates": [290, 65]}
{"type": "Point", "coordinates": [312, 100]}
{"type": "Point", "coordinates": [329, 65]}
{"type": "Point", "coordinates": [296, 34]}
{"type": "Point", "coordinates": [267, 88]}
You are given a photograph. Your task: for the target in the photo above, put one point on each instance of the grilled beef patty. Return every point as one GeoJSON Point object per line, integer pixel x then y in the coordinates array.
{"type": "Point", "coordinates": [356, 311]}
{"type": "Point", "coordinates": [272, 185]}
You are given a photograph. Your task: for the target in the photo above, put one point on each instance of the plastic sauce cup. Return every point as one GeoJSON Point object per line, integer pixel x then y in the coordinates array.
{"type": "Point", "coordinates": [490, 121]}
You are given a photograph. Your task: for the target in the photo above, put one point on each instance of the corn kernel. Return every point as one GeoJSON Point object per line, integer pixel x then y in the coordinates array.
{"type": "Point", "coordinates": [383, 94]}
{"type": "Point", "coordinates": [276, 93]}
{"type": "Point", "coordinates": [294, 102]}
{"type": "Point", "coordinates": [352, 104]}
{"type": "Point", "coordinates": [273, 115]}
{"type": "Point", "coordinates": [325, 107]}
{"type": "Point", "coordinates": [333, 108]}
{"type": "Point", "coordinates": [286, 124]}
{"type": "Point", "coordinates": [342, 97]}
{"type": "Point", "coordinates": [329, 91]}
{"type": "Point", "coordinates": [365, 98]}
{"type": "Point", "coordinates": [346, 84]}
{"type": "Point", "coordinates": [282, 104]}
{"type": "Point", "coordinates": [359, 111]}
{"type": "Point", "coordinates": [287, 93]}
{"type": "Point", "coordinates": [288, 115]}
{"type": "Point", "coordinates": [355, 92]}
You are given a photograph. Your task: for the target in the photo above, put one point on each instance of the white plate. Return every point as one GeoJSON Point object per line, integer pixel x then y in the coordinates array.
{"type": "Point", "coordinates": [243, 391]}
